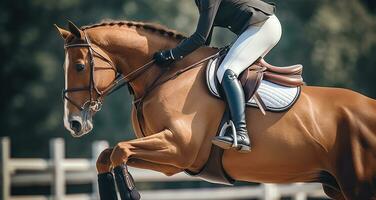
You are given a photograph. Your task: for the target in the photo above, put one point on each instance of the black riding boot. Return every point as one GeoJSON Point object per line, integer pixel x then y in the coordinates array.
{"type": "Point", "coordinates": [236, 101]}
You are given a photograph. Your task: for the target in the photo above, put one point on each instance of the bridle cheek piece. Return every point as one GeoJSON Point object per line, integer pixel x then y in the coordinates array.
{"type": "Point", "coordinates": [119, 81]}
{"type": "Point", "coordinates": [91, 104]}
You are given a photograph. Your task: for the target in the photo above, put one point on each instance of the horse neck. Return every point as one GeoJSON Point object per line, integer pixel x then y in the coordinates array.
{"type": "Point", "coordinates": [131, 48]}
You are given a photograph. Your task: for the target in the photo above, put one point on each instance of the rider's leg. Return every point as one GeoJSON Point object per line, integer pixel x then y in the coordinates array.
{"type": "Point", "coordinates": [253, 43]}
{"type": "Point", "coordinates": [234, 96]}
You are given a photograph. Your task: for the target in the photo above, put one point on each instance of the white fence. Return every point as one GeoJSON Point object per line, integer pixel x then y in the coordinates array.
{"type": "Point", "coordinates": [59, 171]}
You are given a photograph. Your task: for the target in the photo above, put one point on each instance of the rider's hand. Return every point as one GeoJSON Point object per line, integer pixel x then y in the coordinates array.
{"type": "Point", "coordinates": [164, 58]}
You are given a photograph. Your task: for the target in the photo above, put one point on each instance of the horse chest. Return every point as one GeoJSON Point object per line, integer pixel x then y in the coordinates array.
{"type": "Point", "coordinates": [151, 117]}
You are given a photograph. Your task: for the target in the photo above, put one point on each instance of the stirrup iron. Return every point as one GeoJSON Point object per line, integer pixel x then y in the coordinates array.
{"type": "Point", "coordinates": [233, 130]}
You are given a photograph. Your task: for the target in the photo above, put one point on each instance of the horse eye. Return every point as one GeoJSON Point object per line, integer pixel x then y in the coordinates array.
{"type": "Point", "coordinates": [80, 67]}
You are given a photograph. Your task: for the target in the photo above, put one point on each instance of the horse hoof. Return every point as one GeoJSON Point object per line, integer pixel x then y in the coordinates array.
{"type": "Point", "coordinates": [222, 144]}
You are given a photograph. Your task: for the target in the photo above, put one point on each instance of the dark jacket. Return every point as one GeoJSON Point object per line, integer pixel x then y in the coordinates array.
{"type": "Point", "coordinates": [235, 15]}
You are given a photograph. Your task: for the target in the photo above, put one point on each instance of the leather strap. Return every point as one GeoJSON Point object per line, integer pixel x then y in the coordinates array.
{"type": "Point", "coordinates": [138, 102]}
{"type": "Point", "coordinates": [260, 103]}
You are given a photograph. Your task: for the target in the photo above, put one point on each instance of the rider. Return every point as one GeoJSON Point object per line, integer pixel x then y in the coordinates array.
{"type": "Point", "coordinates": [258, 30]}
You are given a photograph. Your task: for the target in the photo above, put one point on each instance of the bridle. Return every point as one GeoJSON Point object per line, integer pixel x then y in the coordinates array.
{"type": "Point", "coordinates": [119, 81]}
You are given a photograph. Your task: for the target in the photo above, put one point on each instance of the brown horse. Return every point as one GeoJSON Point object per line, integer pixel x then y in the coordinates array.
{"type": "Point", "coordinates": [328, 136]}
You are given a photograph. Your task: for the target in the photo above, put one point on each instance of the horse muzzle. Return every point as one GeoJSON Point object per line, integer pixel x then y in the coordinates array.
{"type": "Point", "coordinates": [78, 125]}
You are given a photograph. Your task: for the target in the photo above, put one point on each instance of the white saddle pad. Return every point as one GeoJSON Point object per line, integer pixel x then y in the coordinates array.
{"type": "Point", "coordinates": [276, 97]}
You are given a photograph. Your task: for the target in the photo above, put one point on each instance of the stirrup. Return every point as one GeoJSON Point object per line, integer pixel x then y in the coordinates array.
{"type": "Point", "coordinates": [233, 130]}
{"type": "Point", "coordinates": [235, 145]}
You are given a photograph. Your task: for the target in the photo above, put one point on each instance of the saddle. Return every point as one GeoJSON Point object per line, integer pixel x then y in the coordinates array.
{"type": "Point", "coordinates": [268, 87]}
{"type": "Point", "coordinates": [261, 83]}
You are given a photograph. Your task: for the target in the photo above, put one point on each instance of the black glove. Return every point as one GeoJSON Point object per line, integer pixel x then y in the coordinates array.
{"type": "Point", "coordinates": [164, 58]}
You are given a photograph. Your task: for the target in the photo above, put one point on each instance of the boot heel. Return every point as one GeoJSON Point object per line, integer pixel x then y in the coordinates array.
{"type": "Point", "coordinates": [244, 149]}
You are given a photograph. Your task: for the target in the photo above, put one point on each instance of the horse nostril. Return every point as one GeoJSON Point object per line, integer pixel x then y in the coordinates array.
{"type": "Point", "coordinates": [75, 126]}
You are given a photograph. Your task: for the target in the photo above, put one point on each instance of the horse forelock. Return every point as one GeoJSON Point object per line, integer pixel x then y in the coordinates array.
{"type": "Point", "coordinates": [151, 27]}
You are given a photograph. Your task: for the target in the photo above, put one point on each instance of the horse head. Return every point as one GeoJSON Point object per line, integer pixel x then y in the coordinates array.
{"type": "Point", "coordinates": [89, 71]}
{"type": "Point", "coordinates": [97, 56]}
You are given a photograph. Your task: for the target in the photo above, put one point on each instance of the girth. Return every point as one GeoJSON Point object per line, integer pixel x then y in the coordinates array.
{"type": "Point", "coordinates": [213, 170]}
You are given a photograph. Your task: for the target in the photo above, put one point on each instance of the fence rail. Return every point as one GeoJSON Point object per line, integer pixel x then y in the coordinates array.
{"type": "Point", "coordinates": [59, 171]}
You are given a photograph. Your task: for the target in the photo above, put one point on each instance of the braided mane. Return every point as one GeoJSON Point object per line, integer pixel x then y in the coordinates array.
{"type": "Point", "coordinates": [152, 27]}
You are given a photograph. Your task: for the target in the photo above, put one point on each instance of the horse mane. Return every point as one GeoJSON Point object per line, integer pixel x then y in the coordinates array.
{"type": "Point", "coordinates": [151, 27]}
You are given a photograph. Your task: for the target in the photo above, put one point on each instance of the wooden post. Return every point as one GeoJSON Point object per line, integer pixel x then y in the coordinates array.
{"type": "Point", "coordinates": [57, 152]}
{"type": "Point", "coordinates": [5, 169]}
{"type": "Point", "coordinates": [300, 195]}
{"type": "Point", "coordinates": [97, 148]}
{"type": "Point", "coordinates": [271, 192]}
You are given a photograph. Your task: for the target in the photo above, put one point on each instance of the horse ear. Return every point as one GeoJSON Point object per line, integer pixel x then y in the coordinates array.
{"type": "Point", "coordinates": [63, 33]}
{"type": "Point", "coordinates": [74, 29]}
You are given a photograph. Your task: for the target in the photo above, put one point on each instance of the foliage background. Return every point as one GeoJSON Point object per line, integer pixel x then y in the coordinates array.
{"type": "Point", "coordinates": [334, 39]}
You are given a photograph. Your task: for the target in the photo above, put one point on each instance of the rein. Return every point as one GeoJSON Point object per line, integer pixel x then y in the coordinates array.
{"type": "Point", "coordinates": [176, 74]}
{"type": "Point", "coordinates": [115, 85]}
{"type": "Point", "coordinates": [138, 102]}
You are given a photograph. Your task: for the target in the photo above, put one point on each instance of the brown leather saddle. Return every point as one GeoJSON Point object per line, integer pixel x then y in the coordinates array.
{"type": "Point", "coordinates": [250, 79]}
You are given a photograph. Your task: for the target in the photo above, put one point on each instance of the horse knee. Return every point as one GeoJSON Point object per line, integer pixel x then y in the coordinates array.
{"type": "Point", "coordinates": [103, 163]}
{"type": "Point", "coordinates": [120, 154]}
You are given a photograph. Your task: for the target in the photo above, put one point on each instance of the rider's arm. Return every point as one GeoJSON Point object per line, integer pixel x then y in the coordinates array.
{"type": "Point", "coordinates": [208, 10]}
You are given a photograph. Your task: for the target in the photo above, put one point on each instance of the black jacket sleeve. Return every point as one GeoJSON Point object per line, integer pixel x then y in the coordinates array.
{"type": "Point", "coordinates": [208, 10]}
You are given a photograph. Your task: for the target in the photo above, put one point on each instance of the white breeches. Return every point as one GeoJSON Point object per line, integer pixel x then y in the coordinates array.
{"type": "Point", "coordinates": [253, 43]}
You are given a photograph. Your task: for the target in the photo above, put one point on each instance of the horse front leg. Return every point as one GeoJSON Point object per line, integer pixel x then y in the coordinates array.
{"type": "Point", "coordinates": [164, 149]}
{"type": "Point", "coordinates": [106, 180]}
{"type": "Point", "coordinates": [104, 164]}
{"type": "Point", "coordinates": [106, 183]}
{"type": "Point", "coordinates": [164, 152]}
